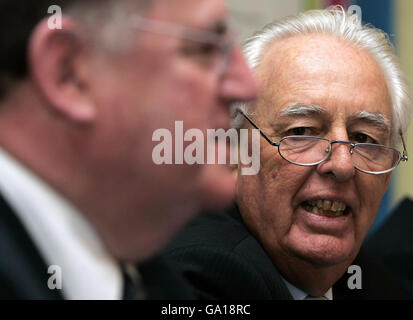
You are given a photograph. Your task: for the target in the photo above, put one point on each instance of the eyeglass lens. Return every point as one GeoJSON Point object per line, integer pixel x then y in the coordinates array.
{"type": "Point", "coordinates": [313, 150]}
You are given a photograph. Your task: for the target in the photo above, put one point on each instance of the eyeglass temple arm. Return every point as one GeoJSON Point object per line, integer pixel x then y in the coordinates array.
{"type": "Point", "coordinates": [173, 29]}
{"type": "Point", "coordinates": [256, 127]}
{"type": "Point", "coordinates": [405, 155]}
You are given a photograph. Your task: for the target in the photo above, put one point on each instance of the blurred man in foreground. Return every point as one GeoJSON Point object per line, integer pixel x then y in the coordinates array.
{"type": "Point", "coordinates": [332, 110]}
{"type": "Point", "coordinates": [81, 197]}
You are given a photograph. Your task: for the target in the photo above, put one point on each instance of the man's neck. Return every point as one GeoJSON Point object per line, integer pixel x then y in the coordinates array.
{"type": "Point", "coordinates": [62, 235]}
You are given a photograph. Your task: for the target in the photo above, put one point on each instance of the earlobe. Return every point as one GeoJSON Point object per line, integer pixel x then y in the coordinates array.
{"type": "Point", "coordinates": [55, 62]}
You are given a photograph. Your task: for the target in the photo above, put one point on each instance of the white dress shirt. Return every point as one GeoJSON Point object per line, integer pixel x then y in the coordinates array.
{"type": "Point", "coordinates": [298, 294]}
{"type": "Point", "coordinates": [61, 234]}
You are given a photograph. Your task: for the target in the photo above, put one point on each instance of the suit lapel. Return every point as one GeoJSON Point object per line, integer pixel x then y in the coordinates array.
{"type": "Point", "coordinates": [163, 282]}
{"type": "Point", "coordinates": [256, 252]}
{"type": "Point", "coordinates": [377, 282]}
{"type": "Point", "coordinates": [23, 272]}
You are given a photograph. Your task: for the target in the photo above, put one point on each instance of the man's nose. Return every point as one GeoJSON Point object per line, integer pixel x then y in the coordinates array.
{"type": "Point", "coordinates": [339, 163]}
{"type": "Point", "coordinates": [238, 83]}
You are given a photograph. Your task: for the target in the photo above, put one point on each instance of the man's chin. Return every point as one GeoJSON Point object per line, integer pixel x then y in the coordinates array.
{"type": "Point", "coordinates": [217, 187]}
{"type": "Point", "coordinates": [326, 251]}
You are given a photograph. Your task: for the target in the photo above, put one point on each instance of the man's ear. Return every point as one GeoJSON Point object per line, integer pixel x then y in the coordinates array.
{"type": "Point", "coordinates": [57, 65]}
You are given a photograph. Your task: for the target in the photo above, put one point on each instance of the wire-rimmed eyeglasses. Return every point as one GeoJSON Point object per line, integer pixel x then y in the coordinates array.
{"type": "Point", "coordinates": [312, 150]}
{"type": "Point", "coordinates": [224, 44]}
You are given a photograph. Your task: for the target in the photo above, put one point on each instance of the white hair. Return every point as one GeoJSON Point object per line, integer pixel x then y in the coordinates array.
{"type": "Point", "coordinates": [336, 21]}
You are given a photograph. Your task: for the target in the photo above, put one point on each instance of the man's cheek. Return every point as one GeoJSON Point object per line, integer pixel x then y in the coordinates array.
{"type": "Point", "coordinates": [270, 167]}
{"type": "Point", "coordinates": [387, 179]}
{"type": "Point", "coordinates": [375, 188]}
{"type": "Point", "coordinates": [287, 178]}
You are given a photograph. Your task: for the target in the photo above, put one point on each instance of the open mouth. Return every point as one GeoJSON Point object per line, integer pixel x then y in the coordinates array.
{"type": "Point", "coordinates": [326, 208]}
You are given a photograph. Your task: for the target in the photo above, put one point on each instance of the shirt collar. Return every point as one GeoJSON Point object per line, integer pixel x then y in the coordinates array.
{"type": "Point", "coordinates": [62, 235]}
{"type": "Point", "coordinates": [298, 294]}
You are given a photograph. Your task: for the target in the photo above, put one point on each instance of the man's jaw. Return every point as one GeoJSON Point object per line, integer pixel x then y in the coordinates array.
{"type": "Point", "coordinates": [217, 187]}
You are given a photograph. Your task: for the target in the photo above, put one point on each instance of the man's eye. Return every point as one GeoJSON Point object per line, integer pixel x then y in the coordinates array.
{"type": "Point", "coordinates": [299, 131]}
{"type": "Point", "coordinates": [208, 49]}
{"type": "Point", "coordinates": [205, 49]}
{"type": "Point", "coordinates": [362, 138]}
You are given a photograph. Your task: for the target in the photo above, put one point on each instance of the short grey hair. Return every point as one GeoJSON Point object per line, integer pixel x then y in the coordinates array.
{"type": "Point", "coordinates": [107, 20]}
{"type": "Point", "coordinates": [18, 21]}
{"type": "Point", "coordinates": [336, 21]}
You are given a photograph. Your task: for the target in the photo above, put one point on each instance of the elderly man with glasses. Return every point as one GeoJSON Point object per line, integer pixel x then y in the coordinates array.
{"type": "Point", "coordinates": [84, 84]}
{"type": "Point", "coordinates": [332, 110]}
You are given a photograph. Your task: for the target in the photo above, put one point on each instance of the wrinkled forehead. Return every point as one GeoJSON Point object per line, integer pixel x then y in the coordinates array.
{"type": "Point", "coordinates": [324, 71]}
{"type": "Point", "coordinates": [314, 54]}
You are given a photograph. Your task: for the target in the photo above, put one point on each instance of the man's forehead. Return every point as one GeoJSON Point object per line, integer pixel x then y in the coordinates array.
{"type": "Point", "coordinates": [314, 54]}
{"type": "Point", "coordinates": [312, 75]}
{"type": "Point", "coordinates": [204, 14]}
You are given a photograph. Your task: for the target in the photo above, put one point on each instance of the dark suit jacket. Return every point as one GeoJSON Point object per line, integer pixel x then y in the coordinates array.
{"type": "Point", "coordinates": [392, 244]}
{"type": "Point", "coordinates": [23, 271]}
{"type": "Point", "coordinates": [222, 260]}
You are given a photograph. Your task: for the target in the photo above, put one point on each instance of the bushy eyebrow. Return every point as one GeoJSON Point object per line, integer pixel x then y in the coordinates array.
{"type": "Point", "coordinates": [298, 109]}
{"type": "Point", "coordinates": [376, 119]}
